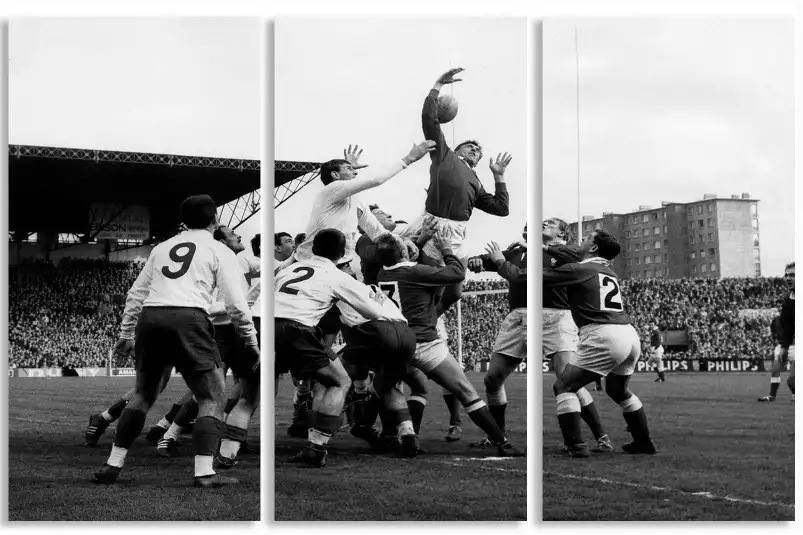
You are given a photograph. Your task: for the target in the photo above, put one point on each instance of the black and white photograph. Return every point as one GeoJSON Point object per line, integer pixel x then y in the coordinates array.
{"type": "Point", "coordinates": [400, 258]}
{"type": "Point", "coordinates": [134, 268]}
{"type": "Point", "coordinates": [669, 269]}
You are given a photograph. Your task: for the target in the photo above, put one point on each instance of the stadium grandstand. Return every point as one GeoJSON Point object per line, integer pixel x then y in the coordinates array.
{"type": "Point", "coordinates": [81, 223]}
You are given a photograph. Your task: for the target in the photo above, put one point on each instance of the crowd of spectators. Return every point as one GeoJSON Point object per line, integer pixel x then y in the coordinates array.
{"type": "Point", "coordinates": [68, 314]}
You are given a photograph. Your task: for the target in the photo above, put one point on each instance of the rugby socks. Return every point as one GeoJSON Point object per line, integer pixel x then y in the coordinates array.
{"type": "Point", "coordinates": [497, 403]}
{"type": "Point", "coordinates": [236, 431]}
{"type": "Point", "coordinates": [416, 406]}
{"type": "Point", "coordinates": [790, 382]}
{"type": "Point", "coordinates": [589, 414]}
{"type": "Point", "coordinates": [404, 424]}
{"type": "Point", "coordinates": [478, 412]}
{"type": "Point", "coordinates": [325, 427]}
{"type": "Point", "coordinates": [775, 383]}
{"type": "Point", "coordinates": [636, 420]}
{"type": "Point", "coordinates": [453, 404]}
{"type": "Point", "coordinates": [168, 418]}
{"type": "Point", "coordinates": [205, 438]}
{"type": "Point", "coordinates": [388, 421]}
{"type": "Point", "coordinates": [568, 409]}
{"type": "Point", "coordinates": [188, 413]}
{"type": "Point", "coordinates": [114, 412]}
{"type": "Point", "coordinates": [129, 428]}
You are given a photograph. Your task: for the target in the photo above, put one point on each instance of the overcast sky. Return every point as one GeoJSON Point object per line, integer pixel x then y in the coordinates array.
{"type": "Point", "coordinates": [342, 81]}
{"type": "Point", "coordinates": [169, 85]}
{"type": "Point", "coordinates": [671, 109]}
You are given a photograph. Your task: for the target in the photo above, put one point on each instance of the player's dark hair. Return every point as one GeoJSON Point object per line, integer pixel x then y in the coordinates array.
{"type": "Point", "coordinates": [277, 238]}
{"type": "Point", "coordinates": [473, 142]}
{"type": "Point", "coordinates": [300, 237]}
{"type": "Point", "coordinates": [790, 265]}
{"type": "Point", "coordinates": [256, 244]}
{"type": "Point", "coordinates": [389, 250]}
{"type": "Point", "coordinates": [607, 246]}
{"type": "Point", "coordinates": [329, 243]}
{"type": "Point", "coordinates": [372, 207]}
{"type": "Point", "coordinates": [332, 166]}
{"type": "Point", "coordinates": [198, 211]}
{"type": "Point", "coordinates": [218, 234]}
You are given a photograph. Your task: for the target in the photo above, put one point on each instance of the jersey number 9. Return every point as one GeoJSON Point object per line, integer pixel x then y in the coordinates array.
{"type": "Point", "coordinates": [184, 259]}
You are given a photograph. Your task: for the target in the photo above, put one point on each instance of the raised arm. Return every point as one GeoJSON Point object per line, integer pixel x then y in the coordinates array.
{"type": "Point", "coordinates": [499, 202]}
{"type": "Point", "coordinates": [343, 189]}
{"type": "Point", "coordinates": [429, 114]}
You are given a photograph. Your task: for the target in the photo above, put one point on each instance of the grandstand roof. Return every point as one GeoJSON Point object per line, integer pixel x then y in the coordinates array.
{"type": "Point", "coordinates": [51, 188]}
{"type": "Point", "coordinates": [286, 171]}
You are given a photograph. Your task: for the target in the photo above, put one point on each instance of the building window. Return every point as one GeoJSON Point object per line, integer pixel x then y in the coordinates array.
{"type": "Point", "coordinates": [629, 246]}
{"type": "Point", "coordinates": [587, 227]}
{"type": "Point", "coordinates": [704, 268]}
{"type": "Point", "coordinates": [657, 259]}
{"type": "Point", "coordinates": [758, 269]}
{"type": "Point", "coordinates": [666, 243]}
{"type": "Point", "coordinates": [713, 267]}
{"type": "Point", "coordinates": [648, 260]}
{"type": "Point", "coordinates": [710, 237]}
{"type": "Point", "coordinates": [664, 229]}
{"type": "Point", "coordinates": [754, 210]}
{"type": "Point", "coordinates": [756, 254]}
{"type": "Point", "coordinates": [691, 240]}
{"type": "Point", "coordinates": [666, 258]}
{"type": "Point", "coordinates": [700, 223]}
{"type": "Point", "coordinates": [702, 253]}
{"type": "Point", "coordinates": [638, 261]}
{"type": "Point", "coordinates": [663, 214]}
{"type": "Point", "coordinates": [657, 244]}
{"type": "Point", "coordinates": [629, 261]}
{"type": "Point", "coordinates": [700, 238]}
{"type": "Point", "coordinates": [638, 247]}
{"type": "Point", "coordinates": [710, 207]}
{"type": "Point", "coordinates": [659, 272]}
{"type": "Point", "coordinates": [710, 222]}
{"type": "Point", "coordinates": [699, 208]}
{"type": "Point", "coordinates": [598, 225]}
{"type": "Point", "coordinates": [648, 274]}
{"type": "Point", "coordinates": [755, 224]}
{"type": "Point", "coordinates": [645, 232]}
{"type": "Point", "coordinates": [656, 231]}
{"type": "Point", "coordinates": [655, 216]}
{"type": "Point", "coordinates": [691, 224]}
{"type": "Point", "coordinates": [693, 255]}
{"type": "Point", "coordinates": [712, 252]}
{"type": "Point", "coordinates": [627, 234]}
{"type": "Point", "coordinates": [690, 210]}
{"type": "Point", "coordinates": [694, 269]}
{"type": "Point", "coordinates": [645, 218]}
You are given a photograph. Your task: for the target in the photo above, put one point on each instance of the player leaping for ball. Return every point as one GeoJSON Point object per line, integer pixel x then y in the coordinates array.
{"type": "Point", "coordinates": [609, 345]}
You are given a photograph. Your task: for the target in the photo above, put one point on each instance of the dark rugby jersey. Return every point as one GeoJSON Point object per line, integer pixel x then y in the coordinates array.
{"type": "Point", "coordinates": [595, 295]}
{"type": "Point", "coordinates": [454, 188]}
{"type": "Point", "coordinates": [414, 287]}
{"type": "Point", "coordinates": [369, 265]}
{"type": "Point", "coordinates": [788, 321]}
{"type": "Point", "coordinates": [775, 329]}
{"type": "Point", "coordinates": [656, 340]}
{"type": "Point", "coordinates": [514, 269]}
{"type": "Point", "coordinates": [556, 256]}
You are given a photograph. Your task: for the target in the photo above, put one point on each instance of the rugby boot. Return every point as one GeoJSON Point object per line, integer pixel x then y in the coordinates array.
{"type": "Point", "coordinates": [107, 474]}
{"type": "Point", "coordinates": [455, 433]}
{"type": "Point", "coordinates": [640, 448]}
{"type": "Point", "coordinates": [368, 434]}
{"type": "Point", "coordinates": [409, 446]}
{"type": "Point", "coordinates": [604, 444]}
{"type": "Point", "coordinates": [97, 426]}
{"type": "Point", "coordinates": [168, 447]}
{"type": "Point", "coordinates": [506, 449]}
{"type": "Point", "coordinates": [484, 443]}
{"type": "Point", "coordinates": [248, 449]}
{"type": "Point", "coordinates": [214, 480]}
{"type": "Point", "coordinates": [388, 444]}
{"type": "Point", "coordinates": [577, 451]}
{"type": "Point", "coordinates": [767, 398]}
{"type": "Point", "coordinates": [155, 434]}
{"type": "Point", "coordinates": [224, 463]}
{"type": "Point", "coordinates": [312, 454]}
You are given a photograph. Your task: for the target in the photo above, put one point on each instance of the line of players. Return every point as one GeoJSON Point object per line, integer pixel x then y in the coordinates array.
{"type": "Point", "coordinates": [194, 308]}
{"type": "Point", "coordinates": [389, 318]}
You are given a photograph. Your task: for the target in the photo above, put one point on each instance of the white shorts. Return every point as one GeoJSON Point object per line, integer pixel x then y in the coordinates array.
{"type": "Point", "coordinates": [606, 348]}
{"type": "Point", "coordinates": [512, 338]}
{"type": "Point", "coordinates": [453, 231]}
{"type": "Point", "coordinates": [790, 355]}
{"type": "Point", "coordinates": [429, 355]}
{"type": "Point", "coordinates": [656, 358]}
{"type": "Point", "coordinates": [559, 331]}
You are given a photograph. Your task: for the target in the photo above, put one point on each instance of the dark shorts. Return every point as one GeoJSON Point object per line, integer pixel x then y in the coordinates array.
{"type": "Point", "coordinates": [175, 336]}
{"type": "Point", "coordinates": [299, 349]}
{"type": "Point", "coordinates": [330, 323]}
{"type": "Point", "coordinates": [232, 351]}
{"type": "Point", "coordinates": [380, 346]}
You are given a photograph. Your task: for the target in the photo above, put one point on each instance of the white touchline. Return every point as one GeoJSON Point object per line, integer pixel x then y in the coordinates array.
{"type": "Point", "coordinates": [706, 495]}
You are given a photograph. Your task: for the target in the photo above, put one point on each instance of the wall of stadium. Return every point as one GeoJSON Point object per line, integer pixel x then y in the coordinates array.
{"type": "Point", "coordinates": [34, 251]}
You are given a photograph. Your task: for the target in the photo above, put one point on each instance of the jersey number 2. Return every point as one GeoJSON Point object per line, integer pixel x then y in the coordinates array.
{"type": "Point", "coordinates": [185, 259]}
{"type": "Point", "coordinates": [610, 296]}
{"type": "Point", "coordinates": [308, 272]}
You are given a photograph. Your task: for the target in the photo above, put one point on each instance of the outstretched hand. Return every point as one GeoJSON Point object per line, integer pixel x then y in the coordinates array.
{"type": "Point", "coordinates": [448, 77]}
{"type": "Point", "coordinates": [499, 165]}
{"type": "Point", "coordinates": [352, 156]}
{"type": "Point", "coordinates": [495, 252]}
{"type": "Point", "coordinates": [419, 151]}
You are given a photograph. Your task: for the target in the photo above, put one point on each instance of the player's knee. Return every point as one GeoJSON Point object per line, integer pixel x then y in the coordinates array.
{"type": "Point", "coordinates": [616, 391]}
{"type": "Point", "coordinates": [493, 380]}
{"type": "Point", "coordinates": [559, 387]}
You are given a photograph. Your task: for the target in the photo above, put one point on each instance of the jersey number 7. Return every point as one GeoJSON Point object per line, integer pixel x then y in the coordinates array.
{"type": "Point", "coordinates": [610, 295]}
{"type": "Point", "coordinates": [391, 289]}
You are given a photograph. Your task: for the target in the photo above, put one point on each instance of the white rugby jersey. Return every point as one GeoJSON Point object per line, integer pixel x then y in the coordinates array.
{"type": "Point", "coordinates": [183, 272]}
{"type": "Point", "coordinates": [255, 292]}
{"type": "Point", "coordinates": [218, 308]}
{"type": "Point", "coordinates": [306, 291]}
{"type": "Point", "coordinates": [390, 311]}
{"type": "Point", "coordinates": [251, 266]}
{"type": "Point", "coordinates": [335, 206]}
